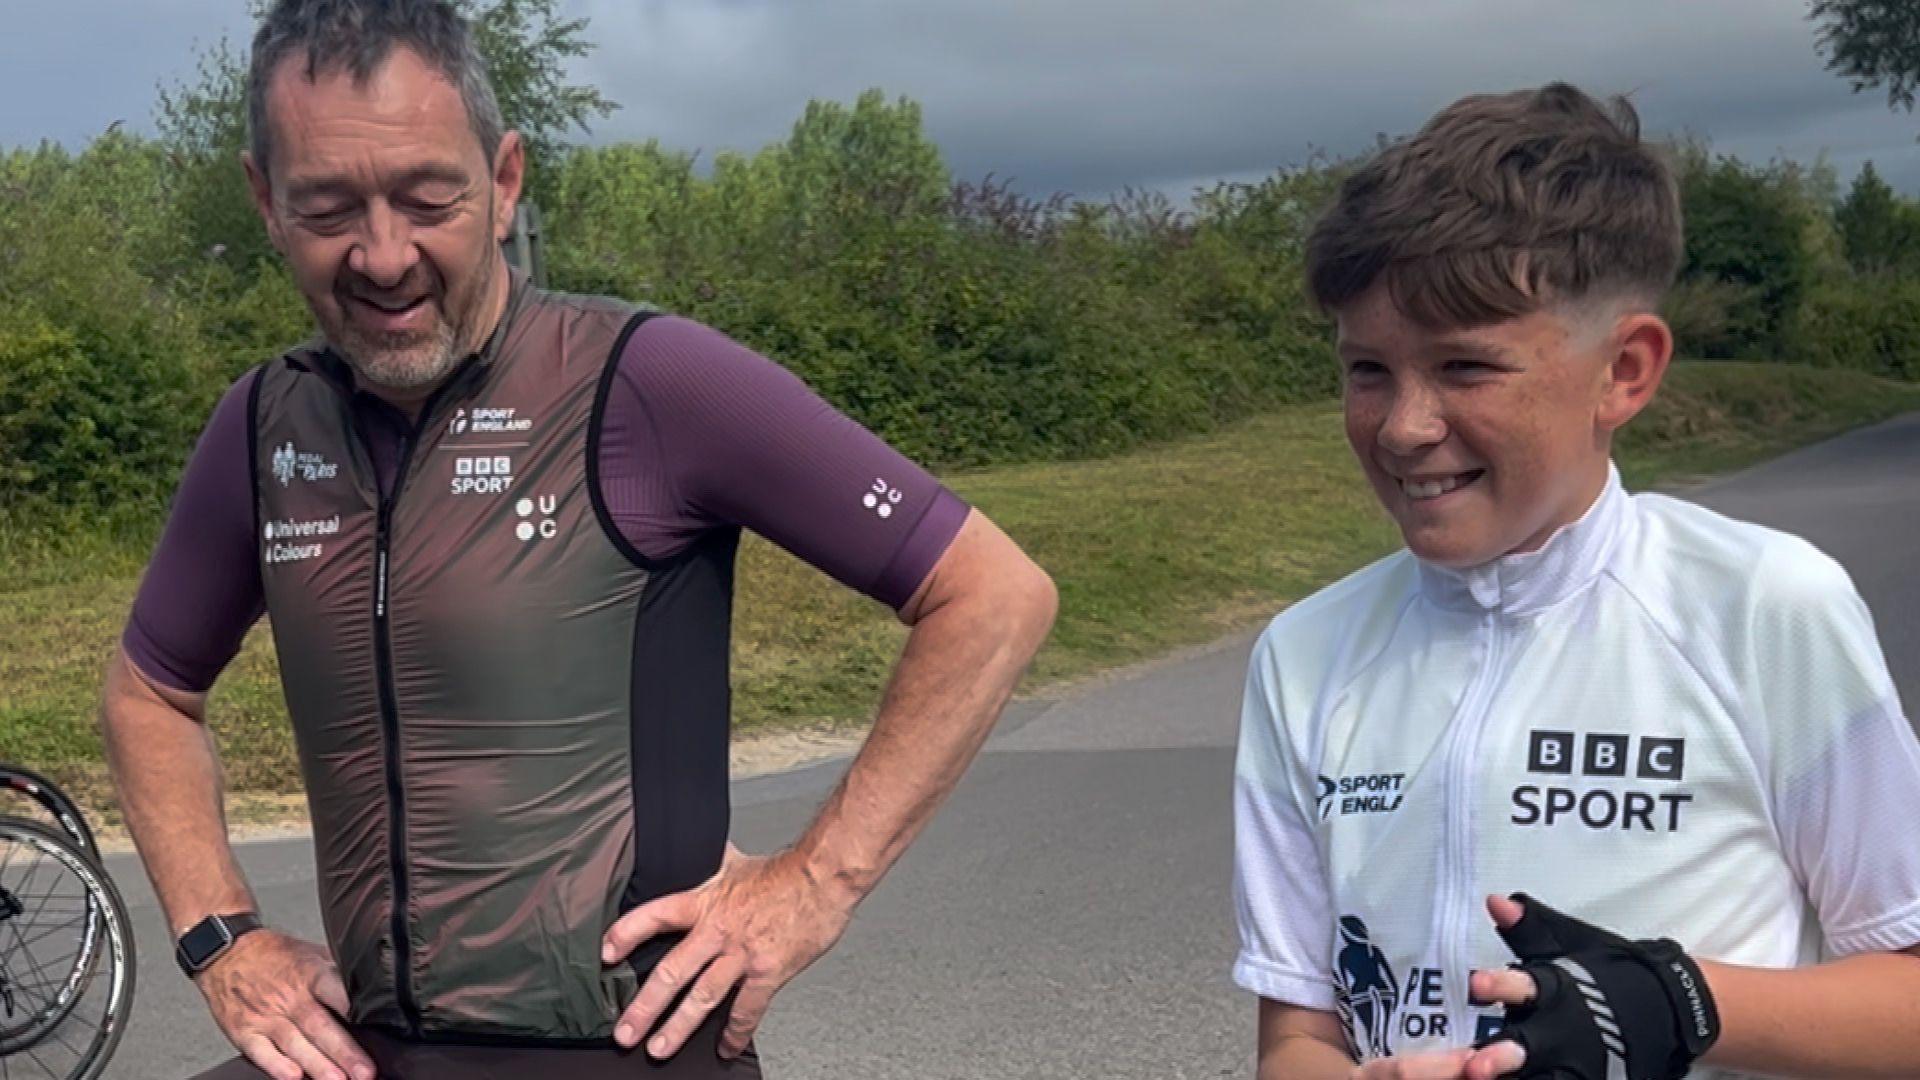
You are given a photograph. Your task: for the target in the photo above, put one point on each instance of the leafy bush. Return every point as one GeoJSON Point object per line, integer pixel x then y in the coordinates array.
{"type": "Point", "coordinates": [1874, 329]}
{"type": "Point", "coordinates": [966, 322]}
{"type": "Point", "coordinates": [103, 375]}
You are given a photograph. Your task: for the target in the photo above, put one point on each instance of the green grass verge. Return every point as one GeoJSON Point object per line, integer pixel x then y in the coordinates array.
{"type": "Point", "coordinates": [1166, 547]}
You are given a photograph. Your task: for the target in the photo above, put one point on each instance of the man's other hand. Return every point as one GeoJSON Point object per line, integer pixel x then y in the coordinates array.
{"type": "Point", "coordinates": [279, 1000]}
{"type": "Point", "coordinates": [756, 924]}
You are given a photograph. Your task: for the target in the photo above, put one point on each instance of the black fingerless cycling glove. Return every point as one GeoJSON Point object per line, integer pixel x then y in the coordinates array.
{"type": "Point", "coordinates": [1608, 1008]}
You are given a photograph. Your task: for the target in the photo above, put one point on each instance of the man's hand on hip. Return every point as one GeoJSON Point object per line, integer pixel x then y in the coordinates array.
{"type": "Point", "coordinates": [756, 924]}
{"type": "Point", "coordinates": [279, 1000]}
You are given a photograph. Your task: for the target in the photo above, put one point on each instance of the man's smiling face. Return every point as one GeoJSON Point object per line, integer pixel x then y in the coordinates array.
{"type": "Point", "coordinates": [389, 213]}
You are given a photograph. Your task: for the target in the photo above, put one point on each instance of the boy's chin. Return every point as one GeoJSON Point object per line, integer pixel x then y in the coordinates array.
{"type": "Point", "coordinates": [1450, 547]}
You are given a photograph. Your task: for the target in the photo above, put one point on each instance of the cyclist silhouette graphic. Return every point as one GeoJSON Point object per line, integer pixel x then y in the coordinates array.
{"type": "Point", "coordinates": [1368, 993]}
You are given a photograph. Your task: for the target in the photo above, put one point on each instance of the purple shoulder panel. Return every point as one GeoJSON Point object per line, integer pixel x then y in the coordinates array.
{"type": "Point", "coordinates": [701, 432]}
{"type": "Point", "coordinates": [202, 588]}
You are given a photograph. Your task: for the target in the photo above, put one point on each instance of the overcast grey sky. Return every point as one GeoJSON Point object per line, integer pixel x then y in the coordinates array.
{"type": "Point", "coordinates": [1079, 95]}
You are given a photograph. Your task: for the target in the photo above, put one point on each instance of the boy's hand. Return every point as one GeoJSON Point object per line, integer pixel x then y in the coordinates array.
{"type": "Point", "coordinates": [1497, 1059]}
{"type": "Point", "coordinates": [1586, 1003]}
{"type": "Point", "coordinates": [1580, 997]}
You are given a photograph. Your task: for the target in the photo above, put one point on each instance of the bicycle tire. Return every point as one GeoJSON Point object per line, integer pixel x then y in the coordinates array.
{"type": "Point", "coordinates": [54, 801]}
{"type": "Point", "coordinates": [56, 804]}
{"type": "Point", "coordinates": [114, 947]}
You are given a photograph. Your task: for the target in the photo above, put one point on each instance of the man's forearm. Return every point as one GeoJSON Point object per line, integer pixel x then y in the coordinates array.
{"type": "Point", "coordinates": [1857, 1017]}
{"type": "Point", "coordinates": [958, 669]}
{"type": "Point", "coordinates": [167, 775]}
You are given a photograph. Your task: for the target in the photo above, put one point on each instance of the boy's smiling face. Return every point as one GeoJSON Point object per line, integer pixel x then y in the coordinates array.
{"type": "Point", "coordinates": [1481, 442]}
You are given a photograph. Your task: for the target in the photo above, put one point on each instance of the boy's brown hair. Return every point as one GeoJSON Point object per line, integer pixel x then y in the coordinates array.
{"type": "Point", "coordinates": [1501, 205]}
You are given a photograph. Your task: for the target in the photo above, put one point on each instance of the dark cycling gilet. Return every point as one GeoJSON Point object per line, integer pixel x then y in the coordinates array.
{"type": "Point", "coordinates": [511, 726]}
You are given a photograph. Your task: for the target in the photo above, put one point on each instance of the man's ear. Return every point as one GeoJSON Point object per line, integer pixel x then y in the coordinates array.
{"type": "Point", "coordinates": [1641, 350]}
{"type": "Point", "coordinates": [509, 177]}
{"type": "Point", "coordinates": [262, 189]}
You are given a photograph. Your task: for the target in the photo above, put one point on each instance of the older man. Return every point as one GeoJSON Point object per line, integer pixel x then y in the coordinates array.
{"type": "Point", "coordinates": [494, 530]}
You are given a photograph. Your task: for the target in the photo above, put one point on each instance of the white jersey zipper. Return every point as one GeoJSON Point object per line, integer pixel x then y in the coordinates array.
{"type": "Point", "coordinates": [1457, 897]}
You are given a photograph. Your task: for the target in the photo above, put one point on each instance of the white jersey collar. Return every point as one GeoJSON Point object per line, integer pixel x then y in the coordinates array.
{"type": "Point", "coordinates": [1566, 564]}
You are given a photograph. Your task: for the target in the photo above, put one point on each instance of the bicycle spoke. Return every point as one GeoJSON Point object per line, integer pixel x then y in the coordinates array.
{"type": "Point", "coordinates": [20, 948]}
{"type": "Point", "coordinates": [58, 928]}
{"type": "Point", "coordinates": [64, 960]}
{"type": "Point", "coordinates": [28, 1050]}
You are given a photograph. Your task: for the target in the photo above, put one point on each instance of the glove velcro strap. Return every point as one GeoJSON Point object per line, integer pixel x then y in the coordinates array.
{"type": "Point", "coordinates": [1687, 993]}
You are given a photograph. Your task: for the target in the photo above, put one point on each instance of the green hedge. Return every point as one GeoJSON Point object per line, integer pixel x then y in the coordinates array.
{"type": "Point", "coordinates": [966, 322]}
{"type": "Point", "coordinates": [1875, 328]}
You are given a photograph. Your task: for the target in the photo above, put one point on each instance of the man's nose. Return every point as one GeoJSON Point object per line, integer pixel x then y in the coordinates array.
{"type": "Point", "coordinates": [386, 251]}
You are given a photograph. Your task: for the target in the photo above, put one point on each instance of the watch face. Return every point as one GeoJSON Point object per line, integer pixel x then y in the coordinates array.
{"type": "Point", "coordinates": [204, 942]}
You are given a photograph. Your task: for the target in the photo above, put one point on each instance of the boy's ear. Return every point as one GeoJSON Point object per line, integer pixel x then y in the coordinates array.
{"type": "Point", "coordinates": [1642, 348]}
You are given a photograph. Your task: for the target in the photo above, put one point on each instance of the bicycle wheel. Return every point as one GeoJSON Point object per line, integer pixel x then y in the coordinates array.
{"type": "Point", "coordinates": [52, 801]}
{"type": "Point", "coordinates": [66, 992]}
{"type": "Point", "coordinates": [45, 797]}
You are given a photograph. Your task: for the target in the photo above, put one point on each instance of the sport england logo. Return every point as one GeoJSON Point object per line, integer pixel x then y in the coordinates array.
{"type": "Point", "coordinates": [1378, 1010]}
{"type": "Point", "coordinates": [489, 474]}
{"type": "Point", "coordinates": [1643, 807]}
{"type": "Point", "coordinates": [489, 422]}
{"type": "Point", "coordinates": [1363, 793]}
{"type": "Point", "coordinates": [289, 463]}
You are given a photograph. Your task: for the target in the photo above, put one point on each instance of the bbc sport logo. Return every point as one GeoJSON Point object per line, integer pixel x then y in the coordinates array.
{"type": "Point", "coordinates": [483, 466]}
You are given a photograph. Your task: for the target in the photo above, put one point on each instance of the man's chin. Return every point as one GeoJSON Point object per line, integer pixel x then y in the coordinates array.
{"type": "Point", "coordinates": [392, 365]}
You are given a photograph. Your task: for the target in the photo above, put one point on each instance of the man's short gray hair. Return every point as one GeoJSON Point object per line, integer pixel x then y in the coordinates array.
{"type": "Point", "coordinates": [358, 36]}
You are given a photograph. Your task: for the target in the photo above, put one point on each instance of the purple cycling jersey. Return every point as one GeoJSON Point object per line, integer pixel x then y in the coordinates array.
{"type": "Point", "coordinates": [700, 433]}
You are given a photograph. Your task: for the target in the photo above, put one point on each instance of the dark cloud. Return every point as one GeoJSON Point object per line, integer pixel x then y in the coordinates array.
{"type": "Point", "coordinates": [1089, 97]}
{"type": "Point", "coordinates": [70, 68]}
{"type": "Point", "coordinates": [1081, 95]}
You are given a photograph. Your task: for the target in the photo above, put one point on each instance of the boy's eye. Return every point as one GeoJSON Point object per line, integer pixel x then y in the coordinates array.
{"type": "Point", "coordinates": [1470, 367]}
{"type": "Point", "coordinates": [1365, 369]}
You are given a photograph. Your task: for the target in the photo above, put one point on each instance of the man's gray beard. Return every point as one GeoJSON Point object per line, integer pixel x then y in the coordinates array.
{"type": "Point", "coordinates": [404, 364]}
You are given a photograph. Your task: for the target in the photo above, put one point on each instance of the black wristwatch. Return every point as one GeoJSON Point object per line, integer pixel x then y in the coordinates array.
{"type": "Point", "coordinates": [210, 938]}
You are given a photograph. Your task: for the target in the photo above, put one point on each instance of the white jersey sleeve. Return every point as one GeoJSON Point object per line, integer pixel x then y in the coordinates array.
{"type": "Point", "coordinates": [1279, 883]}
{"type": "Point", "coordinates": [1841, 761]}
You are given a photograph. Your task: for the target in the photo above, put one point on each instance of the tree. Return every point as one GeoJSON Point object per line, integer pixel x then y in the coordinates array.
{"type": "Point", "coordinates": [527, 46]}
{"type": "Point", "coordinates": [204, 123]}
{"type": "Point", "coordinates": [1881, 231]}
{"type": "Point", "coordinates": [1746, 228]}
{"type": "Point", "coordinates": [1873, 42]}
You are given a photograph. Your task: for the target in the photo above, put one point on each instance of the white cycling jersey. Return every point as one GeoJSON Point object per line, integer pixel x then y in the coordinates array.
{"type": "Point", "coordinates": [1666, 722]}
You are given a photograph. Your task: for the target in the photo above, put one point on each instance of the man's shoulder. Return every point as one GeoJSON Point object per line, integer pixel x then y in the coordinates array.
{"type": "Point", "coordinates": [1364, 604]}
{"type": "Point", "coordinates": [593, 304]}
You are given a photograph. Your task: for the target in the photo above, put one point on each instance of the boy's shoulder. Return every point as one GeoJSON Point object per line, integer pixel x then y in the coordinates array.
{"type": "Point", "coordinates": [1689, 559]}
{"type": "Point", "coordinates": [1307, 637]}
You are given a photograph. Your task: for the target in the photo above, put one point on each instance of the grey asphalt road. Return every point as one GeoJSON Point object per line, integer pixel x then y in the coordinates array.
{"type": "Point", "coordinates": [1067, 915]}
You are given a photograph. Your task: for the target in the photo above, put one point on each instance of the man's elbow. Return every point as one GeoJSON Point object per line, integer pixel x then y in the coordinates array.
{"type": "Point", "coordinates": [128, 698]}
{"type": "Point", "coordinates": [1039, 597]}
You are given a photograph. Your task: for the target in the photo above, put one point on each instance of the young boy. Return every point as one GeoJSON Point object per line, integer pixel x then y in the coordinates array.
{"type": "Point", "coordinates": [1676, 728]}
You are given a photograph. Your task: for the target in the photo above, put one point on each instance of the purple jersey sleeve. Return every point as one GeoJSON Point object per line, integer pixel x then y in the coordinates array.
{"type": "Point", "coordinates": [701, 431]}
{"type": "Point", "coordinates": [202, 589]}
